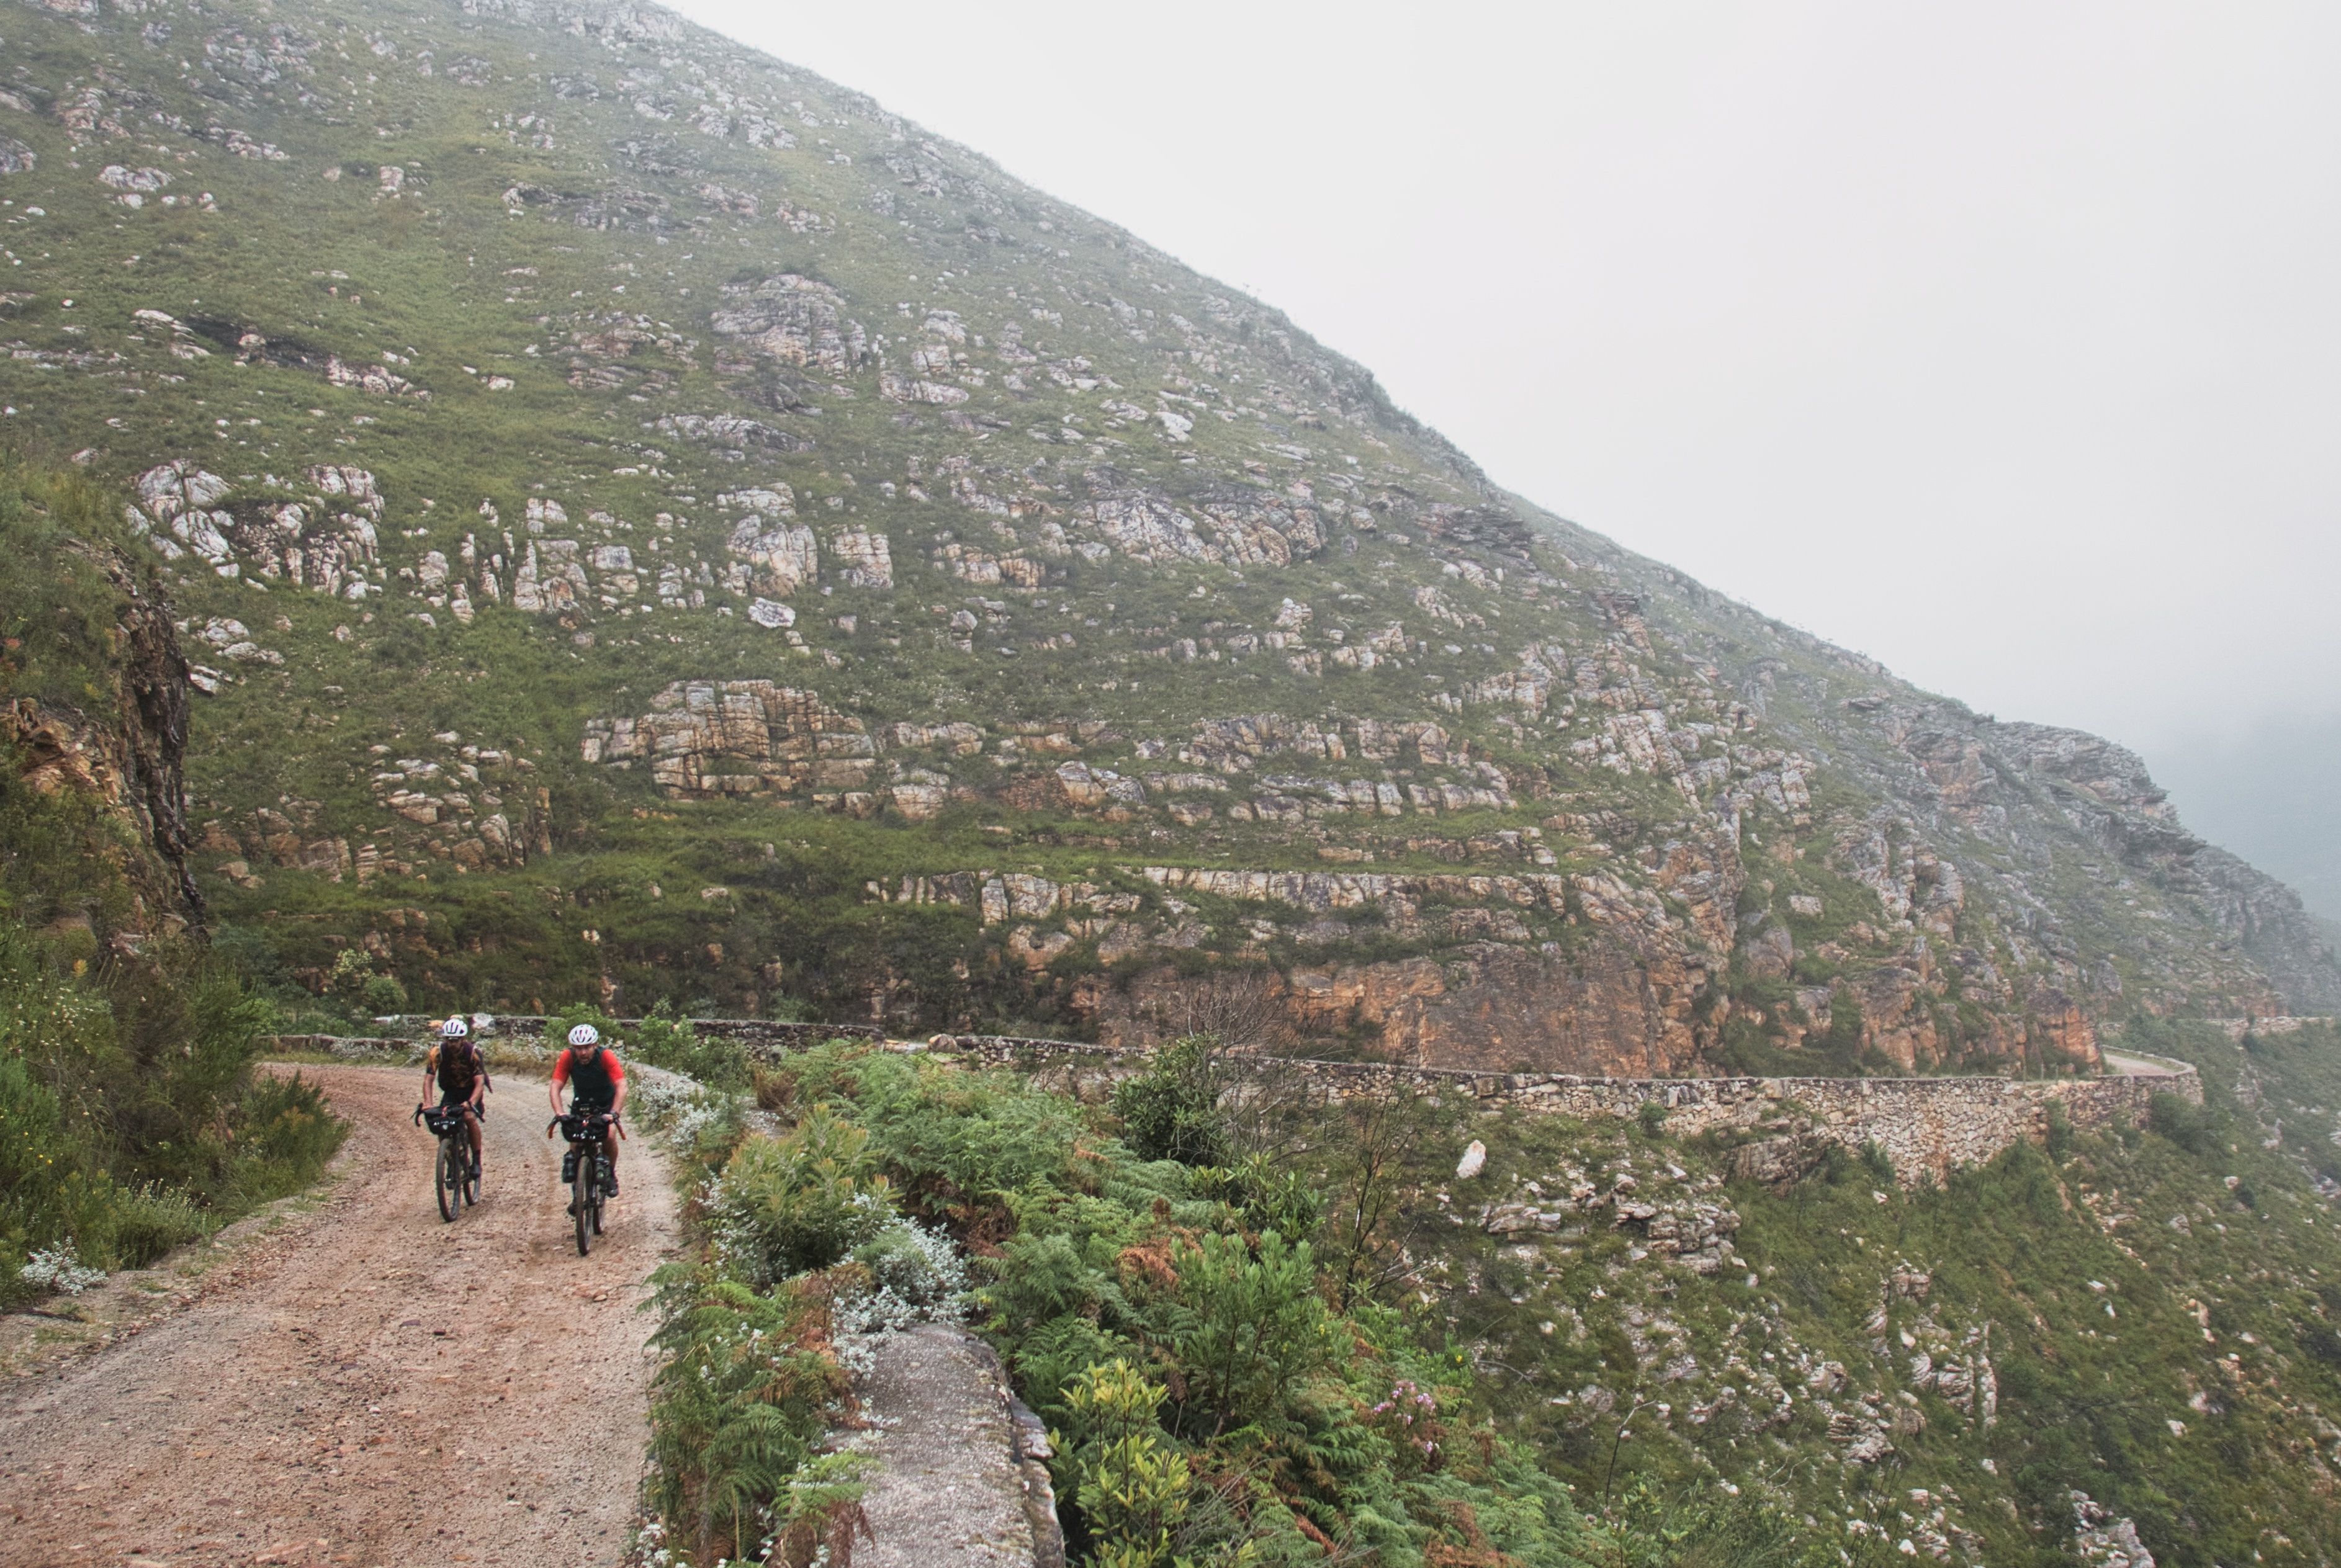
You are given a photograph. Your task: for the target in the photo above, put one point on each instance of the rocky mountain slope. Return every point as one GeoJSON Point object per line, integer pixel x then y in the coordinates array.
{"type": "Point", "coordinates": [655, 525]}
{"type": "Point", "coordinates": [94, 700]}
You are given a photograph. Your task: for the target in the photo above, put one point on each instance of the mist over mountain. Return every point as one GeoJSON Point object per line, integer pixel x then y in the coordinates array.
{"type": "Point", "coordinates": [2266, 793]}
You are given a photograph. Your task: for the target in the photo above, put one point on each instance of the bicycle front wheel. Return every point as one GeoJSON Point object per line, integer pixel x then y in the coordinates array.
{"type": "Point", "coordinates": [450, 1181]}
{"type": "Point", "coordinates": [581, 1197]}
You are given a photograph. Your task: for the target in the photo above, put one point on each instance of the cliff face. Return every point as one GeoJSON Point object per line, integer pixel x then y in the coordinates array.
{"type": "Point", "coordinates": [94, 723]}
{"type": "Point", "coordinates": [678, 530]}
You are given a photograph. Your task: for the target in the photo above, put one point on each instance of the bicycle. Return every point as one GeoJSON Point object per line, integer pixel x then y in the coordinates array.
{"type": "Point", "coordinates": [585, 1169]}
{"type": "Point", "coordinates": [454, 1177]}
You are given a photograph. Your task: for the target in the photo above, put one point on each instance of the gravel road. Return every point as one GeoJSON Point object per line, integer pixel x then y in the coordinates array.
{"type": "Point", "coordinates": [367, 1384]}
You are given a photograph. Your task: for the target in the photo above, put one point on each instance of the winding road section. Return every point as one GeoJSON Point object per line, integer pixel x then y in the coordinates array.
{"type": "Point", "coordinates": [370, 1386]}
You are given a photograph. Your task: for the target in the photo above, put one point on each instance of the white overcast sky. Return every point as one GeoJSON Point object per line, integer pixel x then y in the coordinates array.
{"type": "Point", "coordinates": [1999, 341]}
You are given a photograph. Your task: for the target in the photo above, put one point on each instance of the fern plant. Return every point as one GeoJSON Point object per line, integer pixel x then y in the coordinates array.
{"type": "Point", "coordinates": [738, 1408]}
{"type": "Point", "coordinates": [799, 1202]}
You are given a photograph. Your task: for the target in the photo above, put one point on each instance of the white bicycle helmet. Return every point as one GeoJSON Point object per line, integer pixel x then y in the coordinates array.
{"type": "Point", "coordinates": [454, 1029]}
{"type": "Point", "coordinates": [584, 1034]}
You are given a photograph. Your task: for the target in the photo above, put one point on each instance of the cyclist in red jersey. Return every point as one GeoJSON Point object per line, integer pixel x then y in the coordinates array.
{"type": "Point", "coordinates": [596, 1081]}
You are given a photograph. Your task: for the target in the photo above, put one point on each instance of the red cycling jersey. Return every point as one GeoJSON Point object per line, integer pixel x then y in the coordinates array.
{"type": "Point", "coordinates": [605, 1068]}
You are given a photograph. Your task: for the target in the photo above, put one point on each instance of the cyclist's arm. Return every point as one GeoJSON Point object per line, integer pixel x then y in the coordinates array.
{"type": "Point", "coordinates": [559, 1076]}
{"type": "Point", "coordinates": [430, 1074]}
{"type": "Point", "coordinates": [618, 1101]}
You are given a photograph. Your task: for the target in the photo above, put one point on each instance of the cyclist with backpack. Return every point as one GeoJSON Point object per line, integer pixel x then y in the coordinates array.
{"type": "Point", "coordinates": [596, 1081]}
{"type": "Point", "coordinates": [455, 1068]}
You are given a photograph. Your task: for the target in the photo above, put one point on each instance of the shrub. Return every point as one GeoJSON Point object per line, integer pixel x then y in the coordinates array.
{"type": "Point", "coordinates": [1289, 1201]}
{"type": "Point", "coordinates": [130, 1120]}
{"type": "Point", "coordinates": [383, 995]}
{"type": "Point", "coordinates": [800, 1202]}
{"type": "Point", "coordinates": [948, 1138]}
{"type": "Point", "coordinates": [1129, 1482]}
{"type": "Point", "coordinates": [665, 1040]}
{"type": "Point", "coordinates": [286, 1132]}
{"type": "Point", "coordinates": [1042, 1276]}
{"type": "Point", "coordinates": [703, 1124]}
{"type": "Point", "coordinates": [905, 1274]}
{"type": "Point", "coordinates": [1843, 1040]}
{"type": "Point", "coordinates": [918, 1266]}
{"type": "Point", "coordinates": [1245, 1329]}
{"type": "Point", "coordinates": [2059, 1131]}
{"type": "Point", "coordinates": [738, 1412]}
{"type": "Point", "coordinates": [1171, 1111]}
{"type": "Point", "coordinates": [60, 1271]}
{"type": "Point", "coordinates": [2189, 1126]}
{"type": "Point", "coordinates": [150, 1222]}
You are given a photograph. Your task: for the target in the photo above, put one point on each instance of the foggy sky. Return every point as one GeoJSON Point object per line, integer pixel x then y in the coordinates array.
{"type": "Point", "coordinates": [2001, 343]}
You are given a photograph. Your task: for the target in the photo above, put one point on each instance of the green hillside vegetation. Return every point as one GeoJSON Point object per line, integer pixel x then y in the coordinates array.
{"type": "Point", "coordinates": [129, 1119]}
{"type": "Point", "coordinates": [1215, 1391]}
{"type": "Point", "coordinates": [1328, 1335]}
{"type": "Point", "coordinates": [486, 377]}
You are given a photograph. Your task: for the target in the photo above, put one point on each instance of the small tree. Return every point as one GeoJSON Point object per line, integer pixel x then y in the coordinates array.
{"type": "Point", "coordinates": [1130, 1483]}
{"type": "Point", "coordinates": [1374, 1141]}
{"type": "Point", "coordinates": [1171, 1111]}
{"type": "Point", "coordinates": [1237, 1007]}
{"type": "Point", "coordinates": [1246, 1329]}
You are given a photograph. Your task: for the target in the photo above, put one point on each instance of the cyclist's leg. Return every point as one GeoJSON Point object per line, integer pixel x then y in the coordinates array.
{"type": "Point", "coordinates": [472, 1121]}
{"type": "Point", "coordinates": [610, 1145]}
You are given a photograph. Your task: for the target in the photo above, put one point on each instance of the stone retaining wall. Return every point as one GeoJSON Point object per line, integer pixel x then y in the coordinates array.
{"type": "Point", "coordinates": [1777, 1126]}
{"type": "Point", "coordinates": [1780, 1126]}
{"type": "Point", "coordinates": [356, 1047]}
{"type": "Point", "coordinates": [758, 1033]}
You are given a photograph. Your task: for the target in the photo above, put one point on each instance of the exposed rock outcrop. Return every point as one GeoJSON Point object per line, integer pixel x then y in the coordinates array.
{"type": "Point", "coordinates": [702, 740]}
{"type": "Point", "coordinates": [126, 747]}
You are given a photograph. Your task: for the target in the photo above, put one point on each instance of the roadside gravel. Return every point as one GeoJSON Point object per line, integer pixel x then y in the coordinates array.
{"type": "Point", "coordinates": [365, 1383]}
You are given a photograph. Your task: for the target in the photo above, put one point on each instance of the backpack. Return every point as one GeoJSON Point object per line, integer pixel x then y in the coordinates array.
{"type": "Point", "coordinates": [460, 1069]}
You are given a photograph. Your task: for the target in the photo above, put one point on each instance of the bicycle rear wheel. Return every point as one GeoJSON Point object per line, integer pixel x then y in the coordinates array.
{"type": "Point", "coordinates": [450, 1180]}
{"type": "Point", "coordinates": [580, 1192]}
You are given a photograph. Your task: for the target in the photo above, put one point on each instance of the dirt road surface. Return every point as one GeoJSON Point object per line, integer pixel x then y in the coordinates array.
{"type": "Point", "coordinates": [2119, 1065]}
{"type": "Point", "coordinates": [368, 1385]}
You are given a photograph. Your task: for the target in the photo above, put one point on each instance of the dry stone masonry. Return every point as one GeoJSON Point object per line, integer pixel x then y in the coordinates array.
{"type": "Point", "coordinates": [1926, 1126]}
